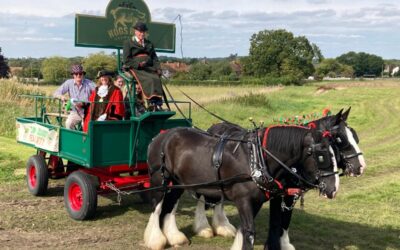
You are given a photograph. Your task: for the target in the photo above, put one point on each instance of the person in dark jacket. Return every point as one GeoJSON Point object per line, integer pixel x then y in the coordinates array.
{"type": "Point", "coordinates": [141, 61]}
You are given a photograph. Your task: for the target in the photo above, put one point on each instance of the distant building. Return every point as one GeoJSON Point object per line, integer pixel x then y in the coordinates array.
{"type": "Point", "coordinates": [169, 69]}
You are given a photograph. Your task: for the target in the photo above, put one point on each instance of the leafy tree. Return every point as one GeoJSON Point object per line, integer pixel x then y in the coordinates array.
{"type": "Point", "coordinates": [30, 67]}
{"type": "Point", "coordinates": [200, 71]}
{"type": "Point", "coordinates": [4, 68]}
{"type": "Point", "coordinates": [332, 68]}
{"type": "Point", "coordinates": [55, 69]}
{"type": "Point", "coordinates": [221, 70]}
{"type": "Point", "coordinates": [99, 61]}
{"type": "Point", "coordinates": [347, 71]}
{"type": "Point", "coordinates": [362, 63]}
{"type": "Point", "coordinates": [277, 53]}
{"type": "Point", "coordinates": [318, 57]}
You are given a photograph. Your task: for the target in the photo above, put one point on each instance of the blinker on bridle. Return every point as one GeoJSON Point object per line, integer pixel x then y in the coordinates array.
{"type": "Point", "coordinates": [341, 141]}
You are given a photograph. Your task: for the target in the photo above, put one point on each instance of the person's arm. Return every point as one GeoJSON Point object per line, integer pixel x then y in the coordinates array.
{"type": "Point", "coordinates": [154, 58]}
{"type": "Point", "coordinates": [127, 54]}
{"type": "Point", "coordinates": [61, 91]}
{"type": "Point", "coordinates": [116, 110]}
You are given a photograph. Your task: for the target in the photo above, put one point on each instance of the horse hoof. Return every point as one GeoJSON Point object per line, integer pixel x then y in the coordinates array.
{"type": "Point", "coordinates": [177, 240]}
{"type": "Point", "coordinates": [156, 244]}
{"type": "Point", "coordinates": [227, 231]}
{"type": "Point", "coordinates": [206, 233]}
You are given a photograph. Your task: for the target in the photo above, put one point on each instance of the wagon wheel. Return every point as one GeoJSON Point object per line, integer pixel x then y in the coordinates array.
{"type": "Point", "coordinates": [80, 196]}
{"type": "Point", "coordinates": [37, 175]}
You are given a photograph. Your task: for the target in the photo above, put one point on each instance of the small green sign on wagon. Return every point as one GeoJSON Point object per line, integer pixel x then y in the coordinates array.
{"type": "Point", "coordinates": [111, 30]}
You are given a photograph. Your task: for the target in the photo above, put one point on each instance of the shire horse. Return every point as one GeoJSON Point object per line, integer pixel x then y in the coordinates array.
{"type": "Point", "coordinates": [184, 156]}
{"type": "Point", "coordinates": [344, 141]}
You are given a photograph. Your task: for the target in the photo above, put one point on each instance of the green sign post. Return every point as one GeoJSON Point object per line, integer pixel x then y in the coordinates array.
{"type": "Point", "coordinates": [111, 30]}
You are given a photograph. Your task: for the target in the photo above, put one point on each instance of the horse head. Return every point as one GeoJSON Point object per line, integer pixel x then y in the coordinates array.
{"type": "Point", "coordinates": [309, 159]}
{"type": "Point", "coordinates": [344, 141]}
{"type": "Point", "coordinates": [321, 163]}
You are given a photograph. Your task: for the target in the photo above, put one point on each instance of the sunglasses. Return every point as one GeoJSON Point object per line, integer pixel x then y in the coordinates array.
{"type": "Point", "coordinates": [78, 74]}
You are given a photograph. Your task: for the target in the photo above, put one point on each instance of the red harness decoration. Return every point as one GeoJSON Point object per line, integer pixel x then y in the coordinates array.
{"type": "Point", "coordinates": [326, 133]}
{"type": "Point", "coordinates": [293, 191]}
{"type": "Point", "coordinates": [312, 125]}
{"type": "Point", "coordinates": [289, 191]}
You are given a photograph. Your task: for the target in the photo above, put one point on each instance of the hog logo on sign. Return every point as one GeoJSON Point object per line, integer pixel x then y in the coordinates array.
{"type": "Point", "coordinates": [124, 19]}
{"type": "Point", "coordinates": [124, 16]}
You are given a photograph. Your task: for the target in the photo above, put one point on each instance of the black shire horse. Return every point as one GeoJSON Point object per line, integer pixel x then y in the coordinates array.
{"type": "Point", "coordinates": [184, 156]}
{"type": "Point", "coordinates": [344, 141]}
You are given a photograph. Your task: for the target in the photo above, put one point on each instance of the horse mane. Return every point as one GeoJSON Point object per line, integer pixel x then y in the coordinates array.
{"type": "Point", "coordinates": [281, 138]}
{"type": "Point", "coordinates": [325, 122]}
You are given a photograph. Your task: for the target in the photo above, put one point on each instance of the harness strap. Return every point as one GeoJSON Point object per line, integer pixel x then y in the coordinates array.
{"type": "Point", "coordinates": [346, 157]}
{"type": "Point", "coordinates": [218, 152]}
{"type": "Point", "coordinates": [217, 160]}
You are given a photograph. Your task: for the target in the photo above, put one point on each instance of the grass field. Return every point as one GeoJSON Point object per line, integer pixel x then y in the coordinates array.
{"type": "Point", "coordinates": [365, 214]}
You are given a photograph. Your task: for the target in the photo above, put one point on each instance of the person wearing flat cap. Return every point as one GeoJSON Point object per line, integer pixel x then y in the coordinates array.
{"type": "Point", "coordinates": [106, 101]}
{"type": "Point", "coordinates": [141, 61]}
{"type": "Point", "coordinates": [78, 89]}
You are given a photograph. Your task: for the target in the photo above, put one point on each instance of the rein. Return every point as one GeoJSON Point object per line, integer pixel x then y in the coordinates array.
{"type": "Point", "coordinates": [289, 169]}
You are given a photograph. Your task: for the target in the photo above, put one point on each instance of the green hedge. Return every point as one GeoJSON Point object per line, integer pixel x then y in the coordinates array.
{"type": "Point", "coordinates": [266, 81]}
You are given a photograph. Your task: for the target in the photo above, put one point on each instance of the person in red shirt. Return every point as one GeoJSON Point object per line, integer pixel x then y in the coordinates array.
{"type": "Point", "coordinates": [106, 101]}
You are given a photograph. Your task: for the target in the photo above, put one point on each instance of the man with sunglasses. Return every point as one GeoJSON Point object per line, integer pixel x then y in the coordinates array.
{"type": "Point", "coordinates": [78, 89]}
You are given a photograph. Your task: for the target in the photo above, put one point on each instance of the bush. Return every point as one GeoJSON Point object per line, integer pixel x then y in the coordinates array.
{"type": "Point", "coordinates": [265, 81]}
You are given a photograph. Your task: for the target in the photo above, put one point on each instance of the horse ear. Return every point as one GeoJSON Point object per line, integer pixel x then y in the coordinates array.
{"type": "Point", "coordinates": [346, 114]}
{"type": "Point", "coordinates": [338, 117]}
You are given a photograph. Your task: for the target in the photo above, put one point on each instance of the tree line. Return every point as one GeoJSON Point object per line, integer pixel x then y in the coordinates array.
{"type": "Point", "coordinates": [274, 55]}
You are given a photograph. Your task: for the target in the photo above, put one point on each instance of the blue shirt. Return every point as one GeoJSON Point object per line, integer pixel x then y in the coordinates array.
{"type": "Point", "coordinates": [81, 93]}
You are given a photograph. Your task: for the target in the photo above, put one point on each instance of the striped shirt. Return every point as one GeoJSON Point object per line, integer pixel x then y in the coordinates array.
{"type": "Point", "coordinates": [81, 93]}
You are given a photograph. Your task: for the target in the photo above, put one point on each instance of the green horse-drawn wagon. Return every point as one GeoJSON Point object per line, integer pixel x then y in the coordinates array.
{"type": "Point", "coordinates": [112, 154]}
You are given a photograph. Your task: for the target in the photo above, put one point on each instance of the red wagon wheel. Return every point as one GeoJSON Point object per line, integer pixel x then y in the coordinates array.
{"type": "Point", "coordinates": [37, 175]}
{"type": "Point", "coordinates": [80, 196]}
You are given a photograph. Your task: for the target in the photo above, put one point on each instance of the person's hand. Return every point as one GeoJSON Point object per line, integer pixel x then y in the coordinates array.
{"type": "Point", "coordinates": [102, 117]}
{"type": "Point", "coordinates": [75, 103]}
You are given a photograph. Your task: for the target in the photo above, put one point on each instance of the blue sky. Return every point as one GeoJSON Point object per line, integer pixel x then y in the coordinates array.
{"type": "Point", "coordinates": [212, 28]}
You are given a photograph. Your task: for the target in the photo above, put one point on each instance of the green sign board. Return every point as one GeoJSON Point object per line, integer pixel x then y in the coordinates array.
{"type": "Point", "coordinates": [111, 30]}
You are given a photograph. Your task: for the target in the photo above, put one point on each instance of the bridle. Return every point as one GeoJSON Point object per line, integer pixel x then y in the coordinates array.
{"type": "Point", "coordinates": [321, 157]}
{"type": "Point", "coordinates": [341, 143]}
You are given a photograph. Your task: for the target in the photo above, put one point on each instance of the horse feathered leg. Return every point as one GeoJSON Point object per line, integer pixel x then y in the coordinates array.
{"type": "Point", "coordinates": [279, 221]}
{"type": "Point", "coordinates": [153, 236]}
{"type": "Point", "coordinates": [285, 242]}
{"type": "Point", "coordinates": [247, 209]}
{"type": "Point", "coordinates": [238, 242]}
{"type": "Point", "coordinates": [174, 236]}
{"type": "Point", "coordinates": [275, 225]}
{"type": "Point", "coordinates": [221, 223]}
{"type": "Point", "coordinates": [286, 218]}
{"type": "Point", "coordinates": [201, 226]}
